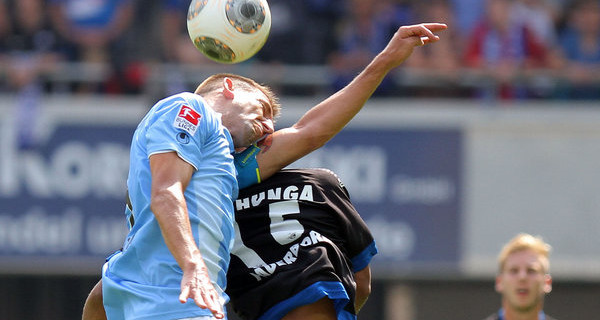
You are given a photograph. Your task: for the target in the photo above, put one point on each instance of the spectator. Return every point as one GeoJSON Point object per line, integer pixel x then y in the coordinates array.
{"type": "Point", "coordinates": [467, 13]}
{"type": "Point", "coordinates": [30, 50]}
{"type": "Point", "coordinates": [176, 48]}
{"type": "Point", "coordinates": [523, 279]}
{"type": "Point", "coordinates": [319, 39]}
{"type": "Point", "coordinates": [393, 13]}
{"type": "Point", "coordinates": [540, 16]}
{"type": "Point", "coordinates": [284, 44]}
{"type": "Point", "coordinates": [580, 44]}
{"type": "Point", "coordinates": [441, 64]}
{"type": "Point", "coordinates": [504, 50]}
{"type": "Point", "coordinates": [29, 46]}
{"type": "Point", "coordinates": [95, 31]}
{"type": "Point", "coordinates": [176, 45]}
{"type": "Point", "coordinates": [4, 20]}
{"type": "Point", "coordinates": [363, 33]}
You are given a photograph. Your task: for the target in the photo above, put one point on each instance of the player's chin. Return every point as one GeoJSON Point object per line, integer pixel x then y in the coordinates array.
{"type": "Point", "coordinates": [243, 143]}
{"type": "Point", "coordinates": [242, 138]}
{"type": "Point", "coordinates": [255, 134]}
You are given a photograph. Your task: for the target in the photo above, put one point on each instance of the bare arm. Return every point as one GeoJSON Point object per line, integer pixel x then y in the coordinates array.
{"type": "Point", "coordinates": [170, 177]}
{"type": "Point", "coordinates": [93, 309]}
{"type": "Point", "coordinates": [363, 287]}
{"type": "Point", "coordinates": [325, 120]}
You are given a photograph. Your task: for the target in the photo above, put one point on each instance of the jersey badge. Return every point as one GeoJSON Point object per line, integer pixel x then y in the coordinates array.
{"type": "Point", "coordinates": [183, 138]}
{"type": "Point", "coordinates": [187, 119]}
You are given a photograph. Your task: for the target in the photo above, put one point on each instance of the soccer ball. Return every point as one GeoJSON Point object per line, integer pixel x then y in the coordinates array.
{"type": "Point", "coordinates": [229, 31]}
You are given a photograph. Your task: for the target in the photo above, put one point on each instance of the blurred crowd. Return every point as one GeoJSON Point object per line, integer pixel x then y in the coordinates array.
{"type": "Point", "coordinates": [501, 49]}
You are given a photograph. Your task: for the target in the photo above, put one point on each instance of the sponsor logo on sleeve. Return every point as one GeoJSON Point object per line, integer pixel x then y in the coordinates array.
{"type": "Point", "coordinates": [187, 119]}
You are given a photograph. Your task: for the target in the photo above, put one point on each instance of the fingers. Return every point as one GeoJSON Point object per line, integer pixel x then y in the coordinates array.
{"type": "Point", "coordinates": [185, 294]}
{"type": "Point", "coordinates": [435, 27]}
{"type": "Point", "coordinates": [205, 299]}
{"type": "Point", "coordinates": [210, 300]}
{"type": "Point", "coordinates": [427, 40]}
{"type": "Point", "coordinates": [422, 33]}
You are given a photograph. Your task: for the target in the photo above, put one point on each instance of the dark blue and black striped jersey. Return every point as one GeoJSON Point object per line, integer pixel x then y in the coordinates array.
{"type": "Point", "coordinates": [298, 239]}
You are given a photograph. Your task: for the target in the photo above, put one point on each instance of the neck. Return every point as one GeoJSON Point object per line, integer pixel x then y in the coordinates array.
{"type": "Point", "coordinates": [513, 314]}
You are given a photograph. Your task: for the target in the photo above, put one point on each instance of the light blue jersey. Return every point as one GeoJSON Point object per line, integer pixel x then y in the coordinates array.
{"type": "Point", "coordinates": [144, 280]}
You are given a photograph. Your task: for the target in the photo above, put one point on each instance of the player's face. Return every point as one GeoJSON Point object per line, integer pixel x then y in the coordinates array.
{"type": "Point", "coordinates": [523, 281]}
{"type": "Point", "coordinates": [251, 118]}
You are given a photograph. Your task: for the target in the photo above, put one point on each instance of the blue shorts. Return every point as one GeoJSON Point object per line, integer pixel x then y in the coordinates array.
{"type": "Point", "coordinates": [315, 292]}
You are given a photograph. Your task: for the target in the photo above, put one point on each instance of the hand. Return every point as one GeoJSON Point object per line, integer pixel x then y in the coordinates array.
{"type": "Point", "coordinates": [407, 38]}
{"type": "Point", "coordinates": [196, 285]}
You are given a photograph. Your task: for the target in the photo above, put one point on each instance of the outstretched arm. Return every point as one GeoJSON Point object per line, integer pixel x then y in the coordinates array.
{"type": "Point", "coordinates": [325, 120]}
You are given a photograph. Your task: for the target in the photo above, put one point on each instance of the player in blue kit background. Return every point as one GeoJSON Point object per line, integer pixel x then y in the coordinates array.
{"type": "Point", "coordinates": [186, 174]}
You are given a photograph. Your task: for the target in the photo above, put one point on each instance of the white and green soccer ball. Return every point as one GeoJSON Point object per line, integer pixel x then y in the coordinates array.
{"type": "Point", "coordinates": [229, 31]}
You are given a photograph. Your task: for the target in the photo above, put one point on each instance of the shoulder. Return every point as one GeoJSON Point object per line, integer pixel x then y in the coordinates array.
{"type": "Point", "coordinates": [315, 173]}
{"type": "Point", "coordinates": [185, 106]}
{"type": "Point", "coordinates": [184, 98]}
{"type": "Point", "coordinates": [319, 179]}
{"type": "Point", "coordinates": [316, 176]}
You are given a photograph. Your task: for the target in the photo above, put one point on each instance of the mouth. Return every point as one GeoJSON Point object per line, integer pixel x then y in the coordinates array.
{"type": "Point", "coordinates": [522, 292]}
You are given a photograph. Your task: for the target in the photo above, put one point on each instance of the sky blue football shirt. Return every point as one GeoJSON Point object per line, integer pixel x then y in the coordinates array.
{"type": "Point", "coordinates": [143, 281]}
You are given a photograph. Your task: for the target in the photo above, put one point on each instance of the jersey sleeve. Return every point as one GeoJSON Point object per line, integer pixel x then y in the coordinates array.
{"type": "Point", "coordinates": [356, 238]}
{"type": "Point", "coordinates": [180, 127]}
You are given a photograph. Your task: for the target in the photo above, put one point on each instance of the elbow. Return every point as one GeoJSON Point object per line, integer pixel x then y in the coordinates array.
{"type": "Point", "coordinates": [313, 137]}
{"type": "Point", "coordinates": [161, 199]}
{"type": "Point", "coordinates": [315, 143]}
{"type": "Point", "coordinates": [314, 140]}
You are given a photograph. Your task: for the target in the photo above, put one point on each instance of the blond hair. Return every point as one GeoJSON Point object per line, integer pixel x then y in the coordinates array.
{"type": "Point", "coordinates": [214, 83]}
{"type": "Point", "coordinates": [524, 241]}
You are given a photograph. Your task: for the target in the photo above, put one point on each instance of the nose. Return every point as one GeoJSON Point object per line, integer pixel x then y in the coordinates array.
{"type": "Point", "coordinates": [268, 126]}
{"type": "Point", "coordinates": [522, 274]}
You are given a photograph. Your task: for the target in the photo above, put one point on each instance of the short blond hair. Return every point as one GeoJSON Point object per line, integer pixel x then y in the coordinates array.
{"type": "Point", "coordinates": [214, 83]}
{"type": "Point", "coordinates": [524, 241]}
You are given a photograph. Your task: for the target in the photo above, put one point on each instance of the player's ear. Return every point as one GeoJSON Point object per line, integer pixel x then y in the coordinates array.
{"type": "Point", "coordinates": [547, 283]}
{"type": "Point", "coordinates": [498, 285]}
{"type": "Point", "coordinates": [228, 88]}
